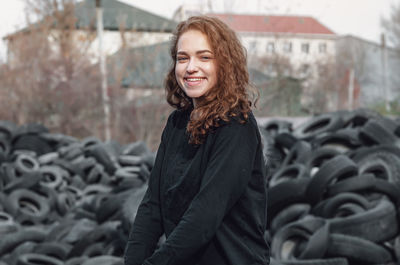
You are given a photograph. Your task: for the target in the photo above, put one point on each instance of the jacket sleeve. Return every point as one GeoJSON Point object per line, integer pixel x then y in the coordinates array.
{"type": "Point", "coordinates": [147, 227]}
{"type": "Point", "coordinates": [225, 179]}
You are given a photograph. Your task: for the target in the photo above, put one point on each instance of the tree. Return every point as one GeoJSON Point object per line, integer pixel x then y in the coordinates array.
{"type": "Point", "coordinates": [391, 25]}
{"type": "Point", "coordinates": [49, 77]}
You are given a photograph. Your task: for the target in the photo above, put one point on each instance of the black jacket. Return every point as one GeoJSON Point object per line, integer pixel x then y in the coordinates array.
{"type": "Point", "coordinates": [209, 200]}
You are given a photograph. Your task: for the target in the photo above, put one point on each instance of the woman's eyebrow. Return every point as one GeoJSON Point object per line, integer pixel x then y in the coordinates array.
{"type": "Point", "coordinates": [203, 51]}
{"type": "Point", "coordinates": [197, 52]}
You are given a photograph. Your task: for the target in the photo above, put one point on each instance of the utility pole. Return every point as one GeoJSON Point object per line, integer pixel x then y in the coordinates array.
{"type": "Point", "coordinates": [384, 70]}
{"type": "Point", "coordinates": [103, 72]}
{"type": "Point", "coordinates": [350, 96]}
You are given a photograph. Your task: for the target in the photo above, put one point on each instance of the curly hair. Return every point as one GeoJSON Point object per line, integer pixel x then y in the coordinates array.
{"type": "Point", "coordinates": [230, 97]}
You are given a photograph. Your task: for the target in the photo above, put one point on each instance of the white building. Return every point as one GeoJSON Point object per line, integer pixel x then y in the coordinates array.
{"type": "Point", "coordinates": [138, 26]}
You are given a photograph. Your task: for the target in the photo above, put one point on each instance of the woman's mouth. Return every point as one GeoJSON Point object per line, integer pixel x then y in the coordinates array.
{"type": "Point", "coordinates": [193, 81]}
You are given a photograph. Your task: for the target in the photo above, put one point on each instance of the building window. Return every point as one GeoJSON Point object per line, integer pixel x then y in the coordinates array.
{"type": "Point", "coordinates": [270, 47]}
{"type": "Point", "coordinates": [287, 46]}
{"type": "Point", "coordinates": [305, 47]}
{"type": "Point", "coordinates": [253, 46]}
{"type": "Point", "coordinates": [305, 69]}
{"type": "Point", "coordinates": [322, 48]}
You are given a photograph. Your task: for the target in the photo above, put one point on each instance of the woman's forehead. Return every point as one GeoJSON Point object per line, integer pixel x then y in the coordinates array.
{"type": "Point", "coordinates": [193, 41]}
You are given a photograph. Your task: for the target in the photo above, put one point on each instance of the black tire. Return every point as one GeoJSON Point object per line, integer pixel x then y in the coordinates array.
{"type": "Point", "coordinates": [52, 176]}
{"type": "Point", "coordinates": [102, 156]}
{"type": "Point", "coordinates": [328, 122]}
{"type": "Point", "coordinates": [53, 249]}
{"type": "Point", "coordinates": [294, 171]}
{"type": "Point", "coordinates": [136, 149]}
{"type": "Point", "coordinates": [97, 235]}
{"type": "Point", "coordinates": [291, 240]}
{"type": "Point", "coordinates": [298, 153]}
{"type": "Point", "coordinates": [290, 214]}
{"type": "Point", "coordinates": [76, 260]}
{"type": "Point", "coordinates": [397, 248]}
{"type": "Point", "coordinates": [89, 141]}
{"type": "Point", "coordinates": [285, 140]}
{"type": "Point", "coordinates": [48, 158]}
{"type": "Point", "coordinates": [129, 160]}
{"type": "Point", "coordinates": [373, 133]}
{"type": "Point", "coordinates": [26, 181]}
{"type": "Point", "coordinates": [377, 224]}
{"type": "Point", "coordinates": [342, 140]}
{"type": "Point", "coordinates": [95, 189]}
{"type": "Point", "coordinates": [28, 206]}
{"type": "Point", "coordinates": [104, 260]}
{"type": "Point", "coordinates": [318, 157]}
{"type": "Point", "coordinates": [10, 241]}
{"type": "Point", "coordinates": [109, 207]}
{"type": "Point", "coordinates": [365, 184]}
{"type": "Point", "coordinates": [127, 172]}
{"type": "Point", "coordinates": [34, 259]}
{"type": "Point", "coordinates": [97, 175]}
{"type": "Point", "coordinates": [7, 129]}
{"type": "Point", "coordinates": [58, 140]}
{"type": "Point", "coordinates": [339, 167]}
{"type": "Point", "coordinates": [5, 149]}
{"type": "Point", "coordinates": [30, 142]}
{"type": "Point", "coordinates": [49, 194]}
{"type": "Point", "coordinates": [274, 127]}
{"type": "Point", "coordinates": [71, 151]}
{"type": "Point", "coordinates": [65, 202]}
{"type": "Point", "coordinates": [85, 166]}
{"type": "Point", "coordinates": [286, 194]}
{"type": "Point", "coordinates": [357, 250]}
{"type": "Point", "coordinates": [387, 158]}
{"type": "Point", "coordinates": [331, 261]}
{"type": "Point", "coordinates": [331, 207]}
{"type": "Point", "coordinates": [26, 164]}
{"type": "Point", "coordinates": [7, 224]}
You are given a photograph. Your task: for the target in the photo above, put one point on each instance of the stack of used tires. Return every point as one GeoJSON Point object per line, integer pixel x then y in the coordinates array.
{"type": "Point", "coordinates": [334, 189]}
{"type": "Point", "coordinates": [334, 193]}
{"type": "Point", "coordinates": [61, 199]}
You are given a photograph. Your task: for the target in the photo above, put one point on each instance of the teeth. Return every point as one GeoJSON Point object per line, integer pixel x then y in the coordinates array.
{"type": "Point", "coordinates": [194, 79]}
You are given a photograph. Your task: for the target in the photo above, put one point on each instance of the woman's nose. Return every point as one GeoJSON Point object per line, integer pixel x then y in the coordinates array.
{"type": "Point", "coordinates": [192, 66]}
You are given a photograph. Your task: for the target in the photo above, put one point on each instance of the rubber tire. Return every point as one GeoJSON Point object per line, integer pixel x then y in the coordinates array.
{"type": "Point", "coordinates": [294, 171]}
{"type": "Point", "coordinates": [322, 123]}
{"type": "Point", "coordinates": [34, 259]}
{"type": "Point", "coordinates": [378, 224]}
{"type": "Point", "coordinates": [285, 194]}
{"type": "Point", "coordinates": [356, 249]}
{"type": "Point", "coordinates": [336, 168]}
{"type": "Point", "coordinates": [290, 214]}
{"type": "Point", "coordinates": [10, 241]}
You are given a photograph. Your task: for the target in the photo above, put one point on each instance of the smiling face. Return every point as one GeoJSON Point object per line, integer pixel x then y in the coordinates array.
{"type": "Point", "coordinates": [195, 68]}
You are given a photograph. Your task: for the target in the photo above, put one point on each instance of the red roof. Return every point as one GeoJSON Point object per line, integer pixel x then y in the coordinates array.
{"type": "Point", "coordinates": [273, 24]}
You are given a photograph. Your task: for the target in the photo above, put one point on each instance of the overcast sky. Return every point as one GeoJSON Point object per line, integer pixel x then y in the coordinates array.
{"type": "Point", "coordinates": [357, 17]}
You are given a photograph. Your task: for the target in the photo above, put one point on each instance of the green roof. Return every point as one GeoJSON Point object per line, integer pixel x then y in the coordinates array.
{"type": "Point", "coordinates": [116, 13]}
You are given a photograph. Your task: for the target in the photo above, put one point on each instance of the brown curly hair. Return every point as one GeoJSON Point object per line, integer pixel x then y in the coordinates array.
{"type": "Point", "coordinates": [230, 97]}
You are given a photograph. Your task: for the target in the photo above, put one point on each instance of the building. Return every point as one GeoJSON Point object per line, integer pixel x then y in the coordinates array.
{"type": "Point", "coordinates": [303, 40]}
{"type": "Point", "coordinates": [138, 26]}
{"type": "Point", "coordinates": [375, 66]}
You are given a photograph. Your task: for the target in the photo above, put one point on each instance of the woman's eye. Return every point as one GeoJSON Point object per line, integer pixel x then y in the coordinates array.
{"type": "Point", "coordinates": [206, 58]}
{"type": "Point", "coordinates": [179, 59]}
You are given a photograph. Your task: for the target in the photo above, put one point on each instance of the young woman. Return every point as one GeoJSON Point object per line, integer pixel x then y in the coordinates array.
{"type": "Point", "coordinates": [207, 188]}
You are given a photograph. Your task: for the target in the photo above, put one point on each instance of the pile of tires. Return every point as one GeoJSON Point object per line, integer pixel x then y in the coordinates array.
{"type": "Point", "coordinates": [334, 193]}
{"type": "Point", "coordinates": [62, 199]}
{"type": "Point", "coordinates": [334, 189]}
